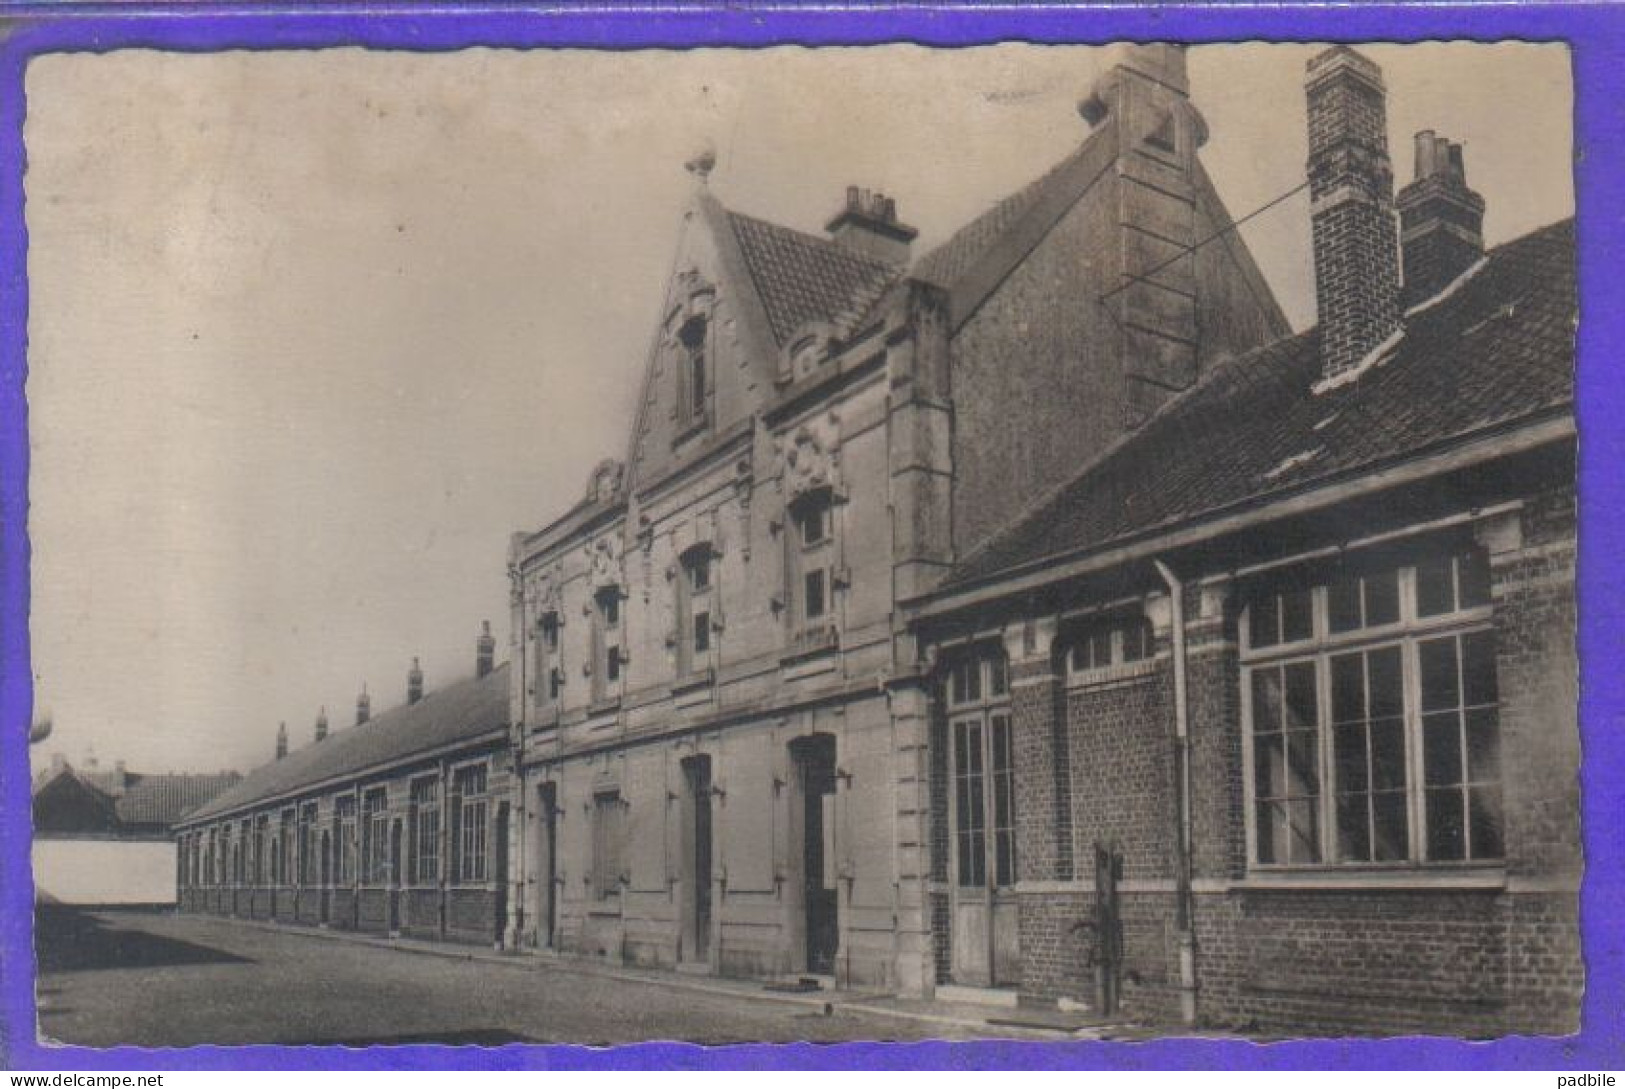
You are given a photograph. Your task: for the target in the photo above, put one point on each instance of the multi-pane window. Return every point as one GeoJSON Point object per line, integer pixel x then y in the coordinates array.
{"type": "Point", "coordinates": [608, 844]}
{"type": "Point", "coordinates": [812, 551]}
{"type": "Point", "coordinates": [1108, 641]}
{"type": "Point", "coordinates": [309, 856]}
{"type": "Point", "coordinates": [344, 838]}
{"type": "Point", "coordinates": [983, 770]}
{"type": "Point", "coordinates": [374, 837]}
{"type": "Point", "coordinates": [695, 608]}
{"type": "Point", "coordinates": [1373, 716]}
{"type": "Point", "coordinates": [549, 672]}
{"type": "Point", "coordinates": [426, 830]}
{"type": "Point", "coordinates": [607, 638]}
{"type": "Point", "coordinates": [469, 808]}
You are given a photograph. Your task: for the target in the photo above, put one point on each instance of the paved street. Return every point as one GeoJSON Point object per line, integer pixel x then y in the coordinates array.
{"type": "Point", "coordinates": [170, 980]}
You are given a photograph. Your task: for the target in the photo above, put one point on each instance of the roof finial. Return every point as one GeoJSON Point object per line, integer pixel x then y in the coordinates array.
{"type": "Point", "coordinates": [702, 164]}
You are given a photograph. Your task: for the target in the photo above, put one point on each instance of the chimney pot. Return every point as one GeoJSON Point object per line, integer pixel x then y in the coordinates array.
{"type": "Point", "coordinates": [321, 724]}
{"type": "Point", "coordinates": [1351, 189]}
{"type": "Point", "coordinates": [485, 650]}
{"type": "Point", "coordinates": [868, 225]}
{"type": "Point", "coordinates": [281, 740]}
{"type": "Point", "coordinates": [363, 706]}
{"type": "Point", "coordinates": [414, 683]}
{"type": "Point", "coordinates": [1441, 220]}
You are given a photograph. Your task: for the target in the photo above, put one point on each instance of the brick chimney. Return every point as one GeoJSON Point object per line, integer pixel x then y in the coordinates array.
{"type": "Point", "coordinates": [1441, 221]}
{"type": "Point", "coordinates": [321, 724]}
{"type": "Point", "coordinates": [414, 683]}
{"type": "Point", "coordinates": [485, 650]}
{"type": "Point", "coordinates": [1351, 190]}
{"type": "Point", "coordinates": [363, 706]}
{"type": "Point", "coordinates": [868, 225]}
{"type": "Point", "coordinates": [281, 740]}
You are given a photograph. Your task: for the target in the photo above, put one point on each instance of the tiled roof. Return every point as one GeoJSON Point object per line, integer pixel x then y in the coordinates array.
{"type": "Point", "coordinates": [1496, 349]}
{"type": "Point", "coordinates": [951, 260]}
{"type": "Point", "coordinates": [464, 711]}
{"type": "Point", "coordinates": [164, 799]}
{"type": "Point", "coordinates": [802, 278]}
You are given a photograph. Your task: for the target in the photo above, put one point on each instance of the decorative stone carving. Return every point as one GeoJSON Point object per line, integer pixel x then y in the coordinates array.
{"type": "Point", "coordinates": [604, 483]}
{"type": "Point", "coordinates": [810, 457]}
{"type": "Point", "coordinates": [604, 562]}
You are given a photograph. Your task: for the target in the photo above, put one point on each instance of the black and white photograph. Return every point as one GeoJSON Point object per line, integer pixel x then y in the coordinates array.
{"type": "Point", "coordinates": [867, 543]}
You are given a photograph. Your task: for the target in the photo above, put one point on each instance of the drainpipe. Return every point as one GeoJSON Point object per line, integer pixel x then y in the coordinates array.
{"type": "Point", "coordinates": [1185, 924]}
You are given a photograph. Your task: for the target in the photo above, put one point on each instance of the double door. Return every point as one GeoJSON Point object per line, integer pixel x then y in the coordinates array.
{"type": "Point", "coordinates": [986, 948]}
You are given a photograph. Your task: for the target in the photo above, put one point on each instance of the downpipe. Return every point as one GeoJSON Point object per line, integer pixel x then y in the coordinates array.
{"type": "Point", "coordinates": [1184, 906]}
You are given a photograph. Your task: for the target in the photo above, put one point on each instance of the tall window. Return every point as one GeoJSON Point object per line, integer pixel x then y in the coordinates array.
{"type": "Point", "coordinates": [285, 834]}
{"type": "Point", "coordinates": [695, 609]}
{"type": "Point", "coordinates": [608, 844]}
{"type": "Point", "coordinates": [693, 372]}
{"type": "Point", "coordinates": [607, 637]}
{"type": "Point", "coordinates": [549, 673]}
{"type": "Point", "coordinates": [245, 860]}
{"type": "Point", "coordinates": [425, 830]}
{"type": "Point", "coordinates": [262, 831]}
{"type": "Point", "coordinates": [344, 838]}
{"type": "Point", "coordinates": [812, 551]}
{"type": "Point", "coordinates": [375, 837]}
{"type": "Point", "coordinates": [309, 863]}
{"type": "Point", "coordinates": [1372, 710]}
{"type": "Point", "coordinates": [983, 770]}
{"type": "Point", "coordinates": [468, 831]}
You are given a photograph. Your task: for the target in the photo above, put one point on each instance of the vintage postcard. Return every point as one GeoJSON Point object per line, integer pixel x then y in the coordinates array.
{"type": "Point", "coordinates": [1063, 543]}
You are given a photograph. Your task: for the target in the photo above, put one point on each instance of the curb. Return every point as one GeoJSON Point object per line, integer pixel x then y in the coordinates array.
{"type": "Point", "coordinates": [853, 1002]}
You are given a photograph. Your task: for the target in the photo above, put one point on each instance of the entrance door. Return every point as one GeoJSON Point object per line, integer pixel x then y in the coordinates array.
{"type": "Point", "coordinates": [547, 865]}
{"type": "Point", "coordinates": [395, 877]}
{"type": "Point", "coordinates": [815, 762]}
{"type": "Point", "coordinates": [501, 920]}
{"type": "Point", "coordinates": [697, 873]}
{"type": "Point", "coordinates": [327, 876]}
{"type": "Point", "coordinates": [986, 951]}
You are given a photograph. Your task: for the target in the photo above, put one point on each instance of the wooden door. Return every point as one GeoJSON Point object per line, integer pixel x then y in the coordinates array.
{"type": "Point", "coordinates": [816, 763]}
{"type": "Point", "coordinates": [986, 948]}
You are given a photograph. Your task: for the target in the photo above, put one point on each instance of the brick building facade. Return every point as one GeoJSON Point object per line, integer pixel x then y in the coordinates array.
{"type": "Point", "coordinates": [396, 825]}
{"type": "Point", "coordinates": [1292, 669]}
{"type": "Point", "coordinates": [725, 739]}
{"type": "Point", "coordinates": [1039, 615]}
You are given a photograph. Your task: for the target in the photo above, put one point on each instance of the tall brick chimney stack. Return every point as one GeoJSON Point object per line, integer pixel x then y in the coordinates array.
{"type": "Point", "coordinates": [321, 724]}
{"type": "Point", "coordinates": [1351, 190]}
{"type": "Point", "coordinates": [281, 740]}
{"type": "Point", "coordinates": [868, 224]}
{"type": "Point", "coordinates": [363, 706]}
{"type": "Point", "coordinates": [1441, 221]}
{"type": "Point", "coordinates": [414, 683]}
{"type": "Point", "coordinates": [485, 650]}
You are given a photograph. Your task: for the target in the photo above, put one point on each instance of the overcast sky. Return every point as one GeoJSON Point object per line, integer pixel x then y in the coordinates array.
{"type": "Point", "coordinates": [312, 333]}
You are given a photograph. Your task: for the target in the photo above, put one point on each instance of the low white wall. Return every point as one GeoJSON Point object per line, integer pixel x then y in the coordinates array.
{"type": "Point", "coordinates": [105, 871]}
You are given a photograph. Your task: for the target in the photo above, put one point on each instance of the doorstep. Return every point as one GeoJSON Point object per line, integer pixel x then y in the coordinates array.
{"type": "Point", "coordinates": [992, 1021]}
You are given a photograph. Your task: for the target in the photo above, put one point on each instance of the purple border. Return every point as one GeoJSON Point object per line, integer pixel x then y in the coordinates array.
{"type": "Point", "coordinates": [1597, 34]}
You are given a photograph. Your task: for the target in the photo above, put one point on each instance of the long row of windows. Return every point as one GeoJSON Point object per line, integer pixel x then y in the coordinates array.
{"type": "Point", "coordinates": [366, 845]}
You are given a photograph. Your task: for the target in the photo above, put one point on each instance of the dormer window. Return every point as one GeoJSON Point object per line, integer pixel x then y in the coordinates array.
{"type": "Point", "coordinates": [693, 372]}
